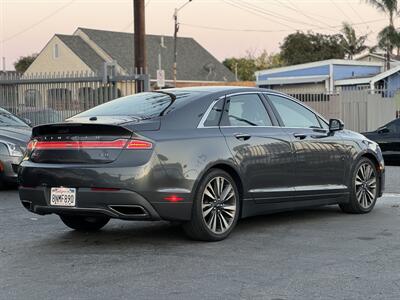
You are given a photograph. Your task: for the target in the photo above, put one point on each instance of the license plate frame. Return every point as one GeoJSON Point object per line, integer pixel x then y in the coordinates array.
{"type": "Point", "coordinates": [63, 197]}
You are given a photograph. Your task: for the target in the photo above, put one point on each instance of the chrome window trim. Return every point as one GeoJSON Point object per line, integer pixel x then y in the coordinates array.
{"type": "Point", "coordinates": [208, 111]}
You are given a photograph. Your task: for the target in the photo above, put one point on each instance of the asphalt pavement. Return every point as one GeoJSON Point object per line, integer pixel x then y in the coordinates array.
{"type": "Point", "coordinates": [309, 254]}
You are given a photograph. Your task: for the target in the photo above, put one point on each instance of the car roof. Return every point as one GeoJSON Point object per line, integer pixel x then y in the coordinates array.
{"type": "Point", "coordinates": [215, 89]}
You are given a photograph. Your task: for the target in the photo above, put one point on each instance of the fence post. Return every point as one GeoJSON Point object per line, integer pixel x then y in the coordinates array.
{"type": "Point", "coordinates": [146, 82]}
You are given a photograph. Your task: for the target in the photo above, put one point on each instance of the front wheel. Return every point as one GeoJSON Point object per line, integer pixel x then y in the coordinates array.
{"type": "Point", "coordinates": [82, 223]}
{"type": "Point", "coordinates": [215, 208]}
{"type": "Point", "coordinates": [364, 190]}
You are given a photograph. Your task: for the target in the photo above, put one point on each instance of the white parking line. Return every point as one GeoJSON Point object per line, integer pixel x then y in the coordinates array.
{"type": "Point", "coordinates": [391, 195]}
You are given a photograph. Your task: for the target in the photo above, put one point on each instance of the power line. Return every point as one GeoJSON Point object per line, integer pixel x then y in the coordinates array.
{"type": "Point", "coordinates": [231, 29]}
{"type": "Point", "coordinates": [294, 8]}
{"type": "Point", "coordinates": [270, 13]}
{"type": "Point", "coordinates": [256, 13]}
{"type": "Point", "coordinates": [314, 14]}
{"type": "Point", "coordinates": [268, 31]}
{"type": "Point", "coordinates": [340, 9]}
{"type": "Point", "coordinates": [38, 22]}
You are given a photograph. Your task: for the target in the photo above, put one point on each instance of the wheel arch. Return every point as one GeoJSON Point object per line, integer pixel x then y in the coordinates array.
{"type": "Point", "coordinates": [372, 157]}
{"type": "Point", "coordinates": [231, 170]}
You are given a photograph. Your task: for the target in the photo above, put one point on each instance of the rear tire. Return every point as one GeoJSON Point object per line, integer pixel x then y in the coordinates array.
{"type": "Point", "coordinates": [364, 188]}
{"type": "Point", "coordinates": [215, 209]}
{"type": "Point", "coordinates": [81, 223]}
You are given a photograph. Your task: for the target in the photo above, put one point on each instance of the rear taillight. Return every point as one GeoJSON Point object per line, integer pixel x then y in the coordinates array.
{"type": "Point", "coordinates": [76, 145]}
{"type": "Point", "coordinates": [139, 145]}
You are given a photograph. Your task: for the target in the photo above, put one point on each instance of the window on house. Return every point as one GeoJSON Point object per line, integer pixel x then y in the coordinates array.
{"type": "Point", "coordinates": [56, 51]}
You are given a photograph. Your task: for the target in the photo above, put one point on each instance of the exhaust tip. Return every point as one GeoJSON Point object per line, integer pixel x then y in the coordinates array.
{"type": "Point", "coordinates": [129, 210]}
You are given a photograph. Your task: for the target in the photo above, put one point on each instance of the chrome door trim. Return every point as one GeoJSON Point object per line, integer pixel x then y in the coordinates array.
{"type": "Point", "coordinates": [305, 188]}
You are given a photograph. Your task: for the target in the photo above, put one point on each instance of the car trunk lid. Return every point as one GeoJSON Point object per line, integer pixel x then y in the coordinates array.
{"type": "Point", "coordinates": [82, 143]}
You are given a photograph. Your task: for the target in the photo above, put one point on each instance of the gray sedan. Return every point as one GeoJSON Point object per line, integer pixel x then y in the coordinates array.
{"type": "Point", "coordinates": [14, 135]}
{"type": "Point", "coordinates": [203, 156]}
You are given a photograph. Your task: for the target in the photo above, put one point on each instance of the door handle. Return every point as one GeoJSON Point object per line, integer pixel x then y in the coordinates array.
{"type": "Point", "coordinates": [242, 136]}
{"type": "Point", "coordinates": [300, 136]}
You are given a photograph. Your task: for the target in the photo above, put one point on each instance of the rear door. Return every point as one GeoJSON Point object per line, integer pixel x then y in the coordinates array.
{"type": "Point", "coordinates": [320, 155]}
{"type": "Point", "coordinates": [260, 147]}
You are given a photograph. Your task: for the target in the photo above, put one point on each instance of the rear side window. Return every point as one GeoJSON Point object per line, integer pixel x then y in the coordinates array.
{"type": "Point", "coordinates": [294, 114]}
{"type": "Point", "coordinates": [394, 127]}
{"type": "Point", "coordinates": [215, 114]}
{"type": "Point", "coordinates": [141, 105]}
{"type": "Point", "coordinates": [246, 110]}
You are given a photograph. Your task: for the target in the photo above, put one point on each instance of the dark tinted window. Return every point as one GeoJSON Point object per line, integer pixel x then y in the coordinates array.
{"type": "Point", "coordinates": [394, 126]}
{"type": "Point", "coordinates": [7, 119]}
{"type": "Point", "coordinates": [247, 110]}
{"type": "Point", "coordinates": [215, 114]}
{"type": "Point", "coordinates": [294, 114]}
{"type": "Point", "coordinates": [140, 105]}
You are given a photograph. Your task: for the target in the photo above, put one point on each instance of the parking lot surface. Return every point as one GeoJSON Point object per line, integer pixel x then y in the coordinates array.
{"type": "Point", "coordinates": [310, 254]}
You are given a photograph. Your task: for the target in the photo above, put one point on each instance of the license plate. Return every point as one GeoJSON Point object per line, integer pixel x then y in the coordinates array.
{"type": "Point", "coordinates": [63, 196]}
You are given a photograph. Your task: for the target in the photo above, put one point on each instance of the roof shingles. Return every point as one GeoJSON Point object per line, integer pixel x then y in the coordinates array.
{"type": "Point", "coordinates": [83, 51]}
{"type": "Point", "coordinates": [194, 62]}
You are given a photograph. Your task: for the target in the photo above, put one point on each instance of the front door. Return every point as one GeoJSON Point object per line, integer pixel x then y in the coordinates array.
{"type": "Point", "coordinates": [262, 150]}
{"type": "Point", "coordinates": [320, 155]}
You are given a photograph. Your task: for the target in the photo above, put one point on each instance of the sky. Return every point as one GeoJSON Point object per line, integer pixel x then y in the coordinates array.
{"type": "Point", "coordinates": [226, 28]}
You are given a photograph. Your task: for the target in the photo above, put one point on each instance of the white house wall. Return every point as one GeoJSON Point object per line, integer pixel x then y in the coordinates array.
{"type": "Point", "coordinates": [67, 61]}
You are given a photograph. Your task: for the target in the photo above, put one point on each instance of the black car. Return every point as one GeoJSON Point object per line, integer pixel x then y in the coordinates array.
{"type": "Point", "coordinates": [388, 138]}
{"type": "Point", "coordinates": [15, 134]}
{"type": "Point", "coordinates": [203, 156]}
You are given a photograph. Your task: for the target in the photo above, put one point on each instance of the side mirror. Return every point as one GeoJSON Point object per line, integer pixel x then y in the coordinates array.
{"type": "Point", "coordinates": [335, 125]}
{"type": "Point", "coordinates": [383, 130]}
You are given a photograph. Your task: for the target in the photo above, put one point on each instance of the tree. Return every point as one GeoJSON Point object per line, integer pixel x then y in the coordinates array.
{"type": "Point", "coordinates": [246, 66]}
{"type": "Point", "coordinates": [301, 47]}
{"type": "Point", "coordinates": [23, 63]}
{"type": "Point", "coordinates": [352, 44]}
{"type": "Point", "coordinates": [389, 39]}
{"type": "Point", "coordinates": [268, 60]}
{"type": "Point", "coordinates": [388, 7]}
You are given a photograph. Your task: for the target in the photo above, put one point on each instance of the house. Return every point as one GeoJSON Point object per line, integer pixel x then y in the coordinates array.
{"type": "Point", "coordinates": [90, 50]}
{"type": "Point", "coordinates": [327, 76]}
{"type": "Point", "coordinates": [379, 58]}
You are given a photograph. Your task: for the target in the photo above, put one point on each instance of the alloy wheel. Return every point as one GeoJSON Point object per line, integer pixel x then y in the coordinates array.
{"type": "Point", "coordinates": [219, 205]}
{"type": "Point", "coordinates": [365, 184]}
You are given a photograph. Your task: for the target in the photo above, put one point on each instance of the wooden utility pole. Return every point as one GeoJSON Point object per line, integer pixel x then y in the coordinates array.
{"type": "Point", "coordinates": [176, 29]}
{"type": "Point", "coordinates": [140, 41]}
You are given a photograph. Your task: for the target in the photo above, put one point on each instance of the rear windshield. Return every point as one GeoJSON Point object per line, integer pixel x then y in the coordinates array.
{"type": "Point", "coordinates": [7, 119]}
{"type": "Point", "coordinates": [141, 105]}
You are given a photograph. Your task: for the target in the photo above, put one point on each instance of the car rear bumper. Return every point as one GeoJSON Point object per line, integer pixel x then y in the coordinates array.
{"type": "Point", "coordinates": [119, 204]}
{"type": "Point", "coordinates": [8, 168]}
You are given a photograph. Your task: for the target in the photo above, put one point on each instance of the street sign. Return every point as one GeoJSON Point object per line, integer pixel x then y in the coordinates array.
{"type": "Point", "coordinates": [160, 78]}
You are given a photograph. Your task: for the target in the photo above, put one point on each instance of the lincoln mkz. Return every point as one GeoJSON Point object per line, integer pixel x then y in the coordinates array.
{"type": "Point", "coordinates": [204, 157]}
